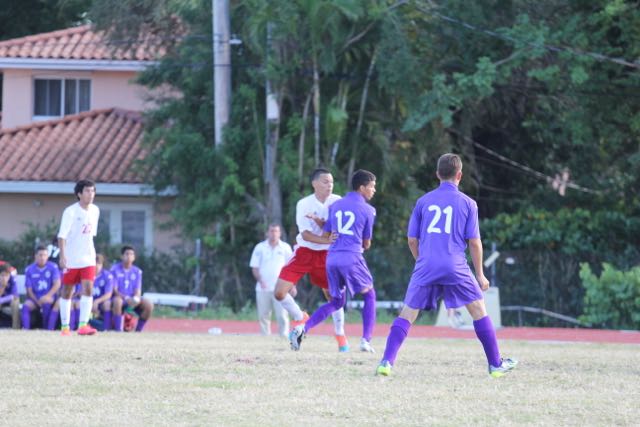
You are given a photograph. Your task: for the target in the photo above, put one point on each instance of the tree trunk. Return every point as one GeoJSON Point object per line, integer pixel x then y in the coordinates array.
{"type": "Point", "coordinates": [343, 96]}
{"type": "Point", "coordinates": [363, 103]}
{"type": "Point", "coordinates": [316, 112]}
{"type": "Point", "coordinates": [301, 141]}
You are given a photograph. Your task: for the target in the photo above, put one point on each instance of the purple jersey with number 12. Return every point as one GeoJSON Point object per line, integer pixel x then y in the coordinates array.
{"type": "Point", "coordinates": [352, 218]}
{"type": "Point", "coordinates": [443, 220]}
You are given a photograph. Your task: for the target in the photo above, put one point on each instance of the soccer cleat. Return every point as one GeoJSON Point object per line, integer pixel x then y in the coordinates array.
{"type": "Point", "coordinates": [65, 332]}
{"type": "Point", "coordinates": [86, 330]}
{"type": "Point", "coordinates": [343, 344]}
{"type": "Point", "coordinates": [384, 368]}
{"type": "Point", "coordinates": [296, 336]}
{"type": "Point", "coordinates": [366, 346]}
{"type": "Point", "coordinates": [305, 317]}
{"type": "Point", "coordinates": [505, 367]}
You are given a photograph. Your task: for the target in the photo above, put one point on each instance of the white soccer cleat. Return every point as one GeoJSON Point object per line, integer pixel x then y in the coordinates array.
{"type": "Point", "coordinates": [366, 346]}
{"type": "Point", "coordinates": [296, 336]}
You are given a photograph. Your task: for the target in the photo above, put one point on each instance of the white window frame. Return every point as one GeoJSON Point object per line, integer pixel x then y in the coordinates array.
{"type": "Point", "coordinates": [115, 220]}
{"type": "Point", "coordinates": [63, 80]}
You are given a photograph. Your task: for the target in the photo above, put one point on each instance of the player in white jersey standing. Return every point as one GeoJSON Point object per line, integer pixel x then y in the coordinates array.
{"type": "Point", "coordinates": [78, 227]}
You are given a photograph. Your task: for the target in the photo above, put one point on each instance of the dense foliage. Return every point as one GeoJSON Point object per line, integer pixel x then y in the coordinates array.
{"type": "Point", "coordinates": [538, 97]}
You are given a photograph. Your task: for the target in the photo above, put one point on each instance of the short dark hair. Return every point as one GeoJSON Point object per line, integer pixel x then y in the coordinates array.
{"type": "Point", "coordinates": [449, 165]}
{"type": "Point", "coordinates": [80, 185]}
{"type": "Point", "coordinates": [41, 248]}
{"type": "Point", "coordinates": [361, 177]}
{"type": "Point", "coordinates": [319, 171]}
{"type": "Point", "coordinates": [5, 268]}
{"type": "Point", "coordinates": [126, 248]}
{"type": "Point", "coordinates": [274, 224]}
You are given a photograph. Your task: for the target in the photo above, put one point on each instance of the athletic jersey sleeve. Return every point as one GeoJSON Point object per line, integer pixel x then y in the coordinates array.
{"type": "Point", "coordinates": [55, 272]}
{"type": "Point", "coordinates": [138, 284]}
{"type": "Point", "coordinates": [28, 281]}
{"type": "Point", "coordinates": [302, 221]}
{"type": "Point", "coordinates": [472, 227]}
{"type": "Point", "coordinates": [328, 224]}
{"type": "Point", "coordinates": [65, 223]}
{"type": "Point", "coordinates": [255, 257]}
{"type": "Point", "coordinates": [367, 233]}
{"type": "Point", "coordinates": [288, 252]}
{"type": "Point", "coordinates": [108, 286]}
{"type": "Point", "coordinates": [415, 221]}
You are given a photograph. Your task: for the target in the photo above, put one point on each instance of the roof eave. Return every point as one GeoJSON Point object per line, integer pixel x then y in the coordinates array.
{"type": "Point", "coordinates": [74, 64]}
{"type": "Point", "coordinates": [63, 187]}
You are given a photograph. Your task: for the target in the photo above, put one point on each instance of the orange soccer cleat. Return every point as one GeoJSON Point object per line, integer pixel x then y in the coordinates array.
{"type": "Point", "coordinates": [65, 332]}
{"type": "Point", "coordinates": [86, 330]}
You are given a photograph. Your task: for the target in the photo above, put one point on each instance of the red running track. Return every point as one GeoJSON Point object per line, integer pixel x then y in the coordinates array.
{"type": "Point", "coordinates": [417, 331]}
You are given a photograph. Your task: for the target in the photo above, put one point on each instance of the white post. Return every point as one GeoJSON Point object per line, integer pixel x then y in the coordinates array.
{"type": "Point", "coordinates": [221, 66]}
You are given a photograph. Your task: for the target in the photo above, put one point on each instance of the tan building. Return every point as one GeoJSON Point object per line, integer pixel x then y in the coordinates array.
{"type": "Point", "coordinates": [71, 111]}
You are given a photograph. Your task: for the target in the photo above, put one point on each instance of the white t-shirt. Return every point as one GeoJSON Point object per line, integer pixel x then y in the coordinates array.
{"type": "Point", "coordinates": [78, 227]}
{"type": "Point", "coordinates": [311, 205]}
{"type": "Point", "coordinates": [269, 260]}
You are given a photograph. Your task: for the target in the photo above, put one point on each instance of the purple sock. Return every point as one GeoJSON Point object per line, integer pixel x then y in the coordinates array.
{"type": "Point", "coordinates": [368, 314]}
{"type": "Point", "coordinates": [325, 311]}
{"type": "Point", "coordinates": [398, 332]}
{"type": "Point", "coordinates": [140, 325]}
{"type": "Point", "coordinates": [46, 311]}
{"type": "Point", "coordinates": [26, 317]}
{"type": "Point", "coordinates": [73, 323]}
{"type": "Point", "coordinates": [487, 336]}
{"type": "Point", "coordinates": [106, 320]}
{"type": "Point", "coordinates": [117, 322]}
{"type": "Point", "coordinates": [53, 319]}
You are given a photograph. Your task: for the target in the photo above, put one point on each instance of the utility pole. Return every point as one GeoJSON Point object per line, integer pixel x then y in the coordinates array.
{"type": "Point", "coordinates": [274, 196]}
{"type": "Point", "coordinates": [221, 66]}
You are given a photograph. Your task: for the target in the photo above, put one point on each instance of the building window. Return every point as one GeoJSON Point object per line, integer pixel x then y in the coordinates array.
{"type": "Point", "coordinates": [126, 223]}
{"type": "Point", "coordinates": [60, 97]}
{"type": "Point", "coordinates": [133, 228]}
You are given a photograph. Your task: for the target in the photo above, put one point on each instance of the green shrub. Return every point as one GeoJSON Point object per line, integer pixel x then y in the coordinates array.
{"type": "Point", "coordinates": [613, 299]}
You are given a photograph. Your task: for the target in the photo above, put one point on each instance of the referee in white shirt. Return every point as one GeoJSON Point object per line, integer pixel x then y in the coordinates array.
{"type": "Point", "coordinates": [267, 259]}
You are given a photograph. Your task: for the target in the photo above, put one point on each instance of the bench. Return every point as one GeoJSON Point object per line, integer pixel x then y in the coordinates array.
{"type": "Point", "coordinates": [387, 305]}
{"type": "Point", "coordinates": [176, 300]}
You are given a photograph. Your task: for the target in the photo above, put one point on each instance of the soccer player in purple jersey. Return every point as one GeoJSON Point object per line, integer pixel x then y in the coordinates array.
{"type": "Point", "coordinates": [351, 219]}
{"type": "Point", "coordinates": [442, 223]}
{"type": "Point", "coordinates": [102, 293]}
{"type": "Point", "coordinates": [128, 291]}
{"type": "Point", "coordinates": [42, 282]}
{"type": "Point", "coordinates": [9, 299]}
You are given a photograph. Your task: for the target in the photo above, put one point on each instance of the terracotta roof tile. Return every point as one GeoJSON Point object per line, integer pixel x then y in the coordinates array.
{"type": "Point", "coordinates": [102, 145]}
{"type": "Point", "coordinates": [78, 43]}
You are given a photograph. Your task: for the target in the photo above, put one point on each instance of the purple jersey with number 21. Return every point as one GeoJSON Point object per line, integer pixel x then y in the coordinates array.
{"type": "Point", "coordinates": [443, 220]}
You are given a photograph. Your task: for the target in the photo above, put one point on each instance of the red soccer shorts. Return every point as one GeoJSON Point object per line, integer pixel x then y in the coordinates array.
{"type": "Point", "coordinates": [73, 276]}
{"type": "Point", "coordinates": [303, 261]}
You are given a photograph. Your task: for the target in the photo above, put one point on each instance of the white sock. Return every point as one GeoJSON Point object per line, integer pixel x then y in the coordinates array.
{"type": "Point", "coordinates": [86, 304]}
{"type": "Point", "coordinates": [338, 321]}
{"type": "Point", "coordinates": [292, 308]}
{"type": "Point", "coordinates": [65, 311]}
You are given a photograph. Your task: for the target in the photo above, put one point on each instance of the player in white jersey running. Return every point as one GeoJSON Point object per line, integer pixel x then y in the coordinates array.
{"type": "Point", "coordinates": [310, 253]}
{"type": "Point", "coordinates": [78, 227]}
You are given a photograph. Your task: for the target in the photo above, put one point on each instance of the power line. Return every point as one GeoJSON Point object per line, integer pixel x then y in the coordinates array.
{"type": "Point", "coordinates": [577, 52]}
{"type": "Point", "coordinates": [525, 168]}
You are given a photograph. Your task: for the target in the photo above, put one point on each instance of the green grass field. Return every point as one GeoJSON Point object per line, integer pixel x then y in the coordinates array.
{"type": "Point", "coordinates": [172, 379]}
